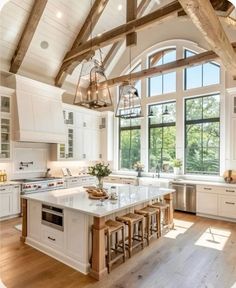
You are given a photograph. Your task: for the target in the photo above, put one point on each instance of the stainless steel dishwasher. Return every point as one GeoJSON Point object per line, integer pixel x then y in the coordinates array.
{"type": "Point", "coordinates": [185, 197]}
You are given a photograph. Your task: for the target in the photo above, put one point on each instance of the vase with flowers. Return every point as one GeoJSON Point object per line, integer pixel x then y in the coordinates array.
{"type": "Point", "coordinates": [138, 166]}
{"type": "Point", "coordinates": [99, 170]}
{"type": "Point", "coordinates": [177, 164]}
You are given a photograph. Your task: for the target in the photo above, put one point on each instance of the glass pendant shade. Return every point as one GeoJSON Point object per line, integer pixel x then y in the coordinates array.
{"type": "Point", "coordinates": [129, 104]}
{"type": "Point", "coordinates": [93, 97]}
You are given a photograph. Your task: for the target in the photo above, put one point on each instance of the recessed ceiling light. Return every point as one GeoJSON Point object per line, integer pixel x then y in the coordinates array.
{"type": "Point", "coordinates": [99, 34]}
{"type": "Point", "coordinates": [120, 7]}
{"type": "Point", "coordinates": [44, 45]}
{"type": "Point", "coordinates": [59, 14]}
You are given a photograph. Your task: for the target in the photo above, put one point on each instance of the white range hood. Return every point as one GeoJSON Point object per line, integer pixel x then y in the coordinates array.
{"type": "Point", "coordinates": [38, 113]}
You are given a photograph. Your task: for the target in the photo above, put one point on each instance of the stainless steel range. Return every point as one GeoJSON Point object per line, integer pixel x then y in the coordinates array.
{"type": "Point", "coordinates": [41, 184]}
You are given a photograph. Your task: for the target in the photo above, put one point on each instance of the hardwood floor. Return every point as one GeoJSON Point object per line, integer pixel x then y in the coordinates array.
{"type": "Point", "coordinates": [198, 253]}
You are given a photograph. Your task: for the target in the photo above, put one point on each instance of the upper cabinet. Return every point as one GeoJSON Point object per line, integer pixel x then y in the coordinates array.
{"type": "Point", "coordinates": [83, 135]}
{"type": "Point", "coordinates": [5, 123]}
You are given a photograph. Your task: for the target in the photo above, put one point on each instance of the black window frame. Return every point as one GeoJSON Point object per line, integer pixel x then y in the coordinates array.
{"type": "Point", "coordinates": [202, 76]}
{"type": "Point", "coordinates": [127, 128]}
{"type": "Point", "coordinates": [162, 78]}
{"type": "Point", "coordinates": [160, 125]}
{"type": "Point", "coordinates": [199, 121]}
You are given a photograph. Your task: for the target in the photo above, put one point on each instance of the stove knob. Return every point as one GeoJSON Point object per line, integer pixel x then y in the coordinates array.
{"type": "Point", "coordinates": [35, 186]}
{"type": "Point", "coordinates": [39, 186]}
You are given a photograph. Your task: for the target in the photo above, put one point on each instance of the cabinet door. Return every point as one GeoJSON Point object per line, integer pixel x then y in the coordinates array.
{"type": "Point", "coordinates": [77, 235]}
{"type": "Point", "coordinates": [207, 203]}
{"type": "Point", "coordinates": [5, 202]}
{"type": "Point", "coordinates": [5, 104]}
{"type": "Point", "coordinates": [70, 143]}
{"type": "Point", "coordinates": [15, 199]}
{"type": "Point", "coordinates": [34, 220]}
{"type": "Point", "coordinates": [5, 138]}
{"type": "Point", "coordinates": [227, 206]}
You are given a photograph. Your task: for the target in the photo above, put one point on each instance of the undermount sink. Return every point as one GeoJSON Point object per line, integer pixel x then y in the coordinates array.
{"type": "Point", "coordinates": [159, 182]}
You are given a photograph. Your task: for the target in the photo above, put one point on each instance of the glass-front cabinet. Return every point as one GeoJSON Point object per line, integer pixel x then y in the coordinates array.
{"type": "Point", "coordinates": [66, 151]}
{"type": "Point", "coordinates": [5, 124]}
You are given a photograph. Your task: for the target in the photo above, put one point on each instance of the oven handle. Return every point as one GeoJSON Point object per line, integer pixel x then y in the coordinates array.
{"type": "Point", "coordinates": [52, 212]}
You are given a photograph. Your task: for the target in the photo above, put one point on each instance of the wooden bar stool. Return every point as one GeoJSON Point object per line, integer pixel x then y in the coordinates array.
{"type": "Point", "coordinates": [114, 228]}
{"type": "Point", "coordinates": [153, 222]}
{"type": "Point", "coordinates": [133, 221]}
{"type": "Point", "coordinates": [164, 209]}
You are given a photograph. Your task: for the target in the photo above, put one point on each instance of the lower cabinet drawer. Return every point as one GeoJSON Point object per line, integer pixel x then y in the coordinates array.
{"type": "Point", "coordinates": [52, 237]}
{"type": "Point", "coordinates": [227, 206]}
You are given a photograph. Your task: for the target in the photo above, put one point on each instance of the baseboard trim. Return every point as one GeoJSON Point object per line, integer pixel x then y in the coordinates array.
{"type": "Point", "coordinates": [81, 267]}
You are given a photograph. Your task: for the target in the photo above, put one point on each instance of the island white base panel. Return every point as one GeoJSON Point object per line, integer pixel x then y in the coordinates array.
{"type": "Point", "coordinates": [216, 217]}
{"type": "Point", "coordinates": [81, 267]}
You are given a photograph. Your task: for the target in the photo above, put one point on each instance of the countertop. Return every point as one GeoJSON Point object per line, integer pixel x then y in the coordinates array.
{"type": "Point", "coordinates": [77, 199]}
{"type": "Point", "coordinates": [202, 182]}
{"type": "Point", "coordinates": [9, 183]}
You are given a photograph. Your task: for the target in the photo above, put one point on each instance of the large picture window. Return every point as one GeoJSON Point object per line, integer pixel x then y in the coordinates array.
{"type": "Point", "coordinates": [129, 137]}
{"type": "Point", "coordinates": [202, 135]}
{"type": "Point", "coordinates": [162, 136]}
{"type": "Point", "coordinates": [165, 83]}
{"type": "Point", "coordinates": [200, 75]}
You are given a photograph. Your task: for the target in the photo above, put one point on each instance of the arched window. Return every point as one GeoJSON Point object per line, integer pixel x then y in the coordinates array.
{"type": "Point", "coordinates": [164, 83]}
{"type": "Point", "coordinates": [200, 75]}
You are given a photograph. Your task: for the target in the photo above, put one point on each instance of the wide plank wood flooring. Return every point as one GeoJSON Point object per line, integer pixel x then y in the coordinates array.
{"type": "Point", "coordinates": [198, 253]}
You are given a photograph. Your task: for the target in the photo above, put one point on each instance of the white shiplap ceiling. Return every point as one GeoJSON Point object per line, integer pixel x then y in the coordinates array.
{"type": "Point", "coordinates": [59, 26]}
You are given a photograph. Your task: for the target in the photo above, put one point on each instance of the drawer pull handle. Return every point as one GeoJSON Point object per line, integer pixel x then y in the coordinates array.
{"type": "Point", "coordinates": [231, 203]}
{"type": "Point", "coordinates": [50, 238]}
{"type": "Point", "coordinates": [207, 188]}
{"type": "Point", "coordinates": [232, 191]}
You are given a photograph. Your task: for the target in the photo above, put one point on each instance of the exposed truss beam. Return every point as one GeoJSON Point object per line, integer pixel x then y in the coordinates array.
{"type": "Point", "coordinates": [90, 22]}
{"type": "Point", "coordinates": [27, 34]}
{"type": "Point", "coordinates": [116, 46]}
{"type": "Point", "coordinates": [121, 31]}
{"type": "Point", "coordinates": [131, 14]}
{"type": "Point", "coordinates": [205, 19]}
{"type": "Point", "coordinates": [83, 35]}
{"type": "Point", "coordinates": [198, 59]}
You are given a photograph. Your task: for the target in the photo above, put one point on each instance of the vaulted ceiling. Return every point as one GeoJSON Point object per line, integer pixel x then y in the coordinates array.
{"type": "Point", "coordinates": [57, 28]}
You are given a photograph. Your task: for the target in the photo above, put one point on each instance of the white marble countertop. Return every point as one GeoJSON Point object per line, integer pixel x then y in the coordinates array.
{"type": "Point", "coordinates": [9, 183]}
{"type": "Point", "coordinates": [77, 199]}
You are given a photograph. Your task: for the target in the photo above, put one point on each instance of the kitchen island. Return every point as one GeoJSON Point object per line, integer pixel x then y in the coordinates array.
{"type": "Point", "coordinates": [69, 226]}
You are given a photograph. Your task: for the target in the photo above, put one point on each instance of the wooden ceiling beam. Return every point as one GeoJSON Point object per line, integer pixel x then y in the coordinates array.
{"type": "Point", "coordinates": [90, 22]}
{"type": "Point", "coordinates": [205, 19]}
{"type": "Point", "coordinates": [83, 35]}
{"type": "Point", "coordinates": [182, 63]}
{"type": "Point", "coordinates": [131, 14]}
{"type": "Point", "coordinates": [27, 34]}
{"type": "Point", "coordinates": [116, 46]}
{"type": "Point", "coordinates": [120, 32]}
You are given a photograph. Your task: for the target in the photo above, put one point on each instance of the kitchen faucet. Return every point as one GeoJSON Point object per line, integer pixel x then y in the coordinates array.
{"type": "Point", "coordinates": [158, 170]}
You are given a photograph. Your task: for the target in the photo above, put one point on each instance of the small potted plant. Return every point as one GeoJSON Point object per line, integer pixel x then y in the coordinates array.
{"type": "Point", "coordinates": [138, 166]}
{"type": "Point", "coordinates": [99, 170]}
{"type": "Point", "coordinates": [177, 164]}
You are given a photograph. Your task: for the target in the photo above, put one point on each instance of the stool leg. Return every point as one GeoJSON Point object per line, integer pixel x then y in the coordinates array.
{"type": "Point", "coordinates": [159, 220]}
{"type": "Point", "coordinates": [148, 228]}
{"type": "Point", "coordinates": [142, 233]}
{"type": "Point", "coordinates": [116, 245]}
{"type": "Point", "coordinates": [123, 242]}
{"type": "Point", "coordinates": [130, 238]}
{"type": "Point", "coordinates": [108, 253]}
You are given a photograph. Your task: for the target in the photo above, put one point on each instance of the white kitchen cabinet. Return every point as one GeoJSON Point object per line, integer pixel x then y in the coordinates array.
{"type": "Point", "coordinates": [34, 220]}
{"type": "Point", "coordinates": [5, 123]}
{"type": "Point", "coordinates": [5, 202]}
{"type": "Point", "coordinates": [207, 203]}
{"type": "Point", "coordinates": [227, 206]}
{"type": "Point", "coordinates": [83, 136]}
{"type": "Point", "coordinates": [75, 221]}
{"type": "Point", "coordinates": [52, 237]}
{"type": "Point", "coordinates": [9, 200]}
